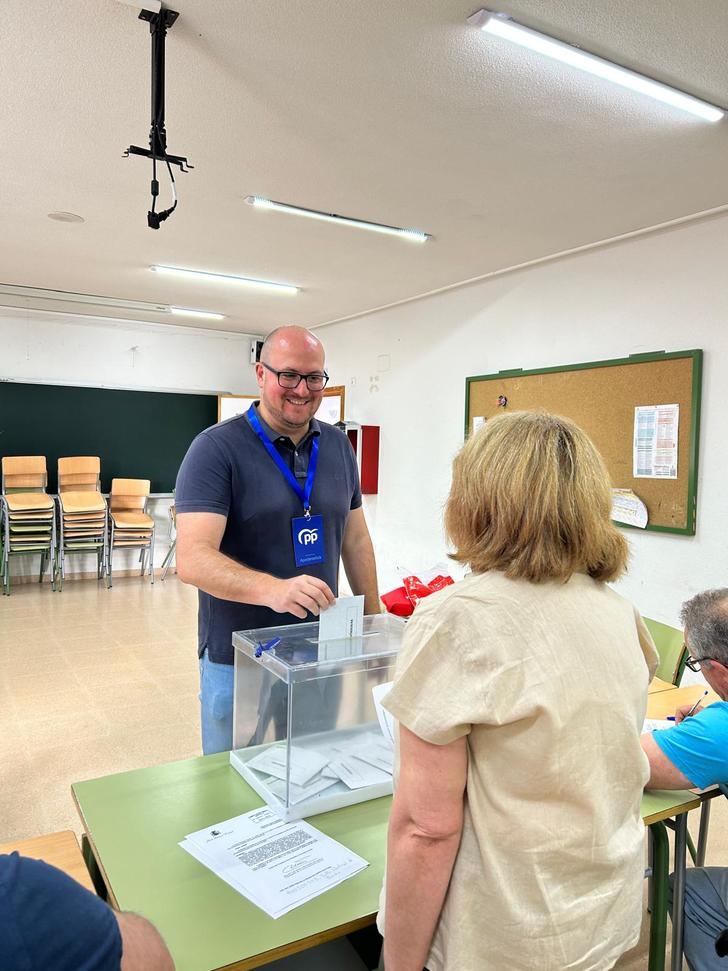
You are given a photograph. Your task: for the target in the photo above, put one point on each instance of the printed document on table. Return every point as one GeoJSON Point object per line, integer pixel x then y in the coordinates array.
{"type": "Point", "coordinates": [654, 453]}
{"type": "Point", "coordinates": [628, 508]}
{"type": "Point", "coordinates": [656, 724]}
{"type": "Point", "coordinates": [278, 866]}
{"type": "Point", "coordinates": [344, 620]}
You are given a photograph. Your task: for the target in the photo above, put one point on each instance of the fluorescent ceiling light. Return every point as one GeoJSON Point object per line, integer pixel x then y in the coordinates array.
{"type": "Point", "coordinates": [500, 25]}
{"type": "Point", "coordinates": [66, 296]}
{"type": "Point", "coordinates": [415, 235]}
{"type": "Point", "coordinates": [225, 278]}
{"type": "Point", "coordinates": [186, 312]}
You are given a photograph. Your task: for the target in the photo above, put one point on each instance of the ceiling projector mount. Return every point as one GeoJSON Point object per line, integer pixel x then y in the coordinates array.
{"type": "Point", "coordinates": [159, 23]}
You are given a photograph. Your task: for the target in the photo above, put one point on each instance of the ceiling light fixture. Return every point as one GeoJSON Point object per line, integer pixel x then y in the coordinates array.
{"type": "Point", "coordinates": [225, 278]}
{"type": "Point", "coordinates": [116, 303]}
{"type": "Point", "coordinates": [500, 25]}
{"type": "Point", "coordinates": [186, 312]}
{"type": "Point", "coordinates": [416, 235]}
{"type": "Point", "coordinates": [66, 296]}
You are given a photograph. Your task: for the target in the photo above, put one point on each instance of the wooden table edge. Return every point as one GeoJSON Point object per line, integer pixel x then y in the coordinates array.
{"type": "Point", "coordinates": [97, 859]}
{"type": "Point", "coordinates": [670, 811]}
{"type": "Point", "coordinates": [302, 944]}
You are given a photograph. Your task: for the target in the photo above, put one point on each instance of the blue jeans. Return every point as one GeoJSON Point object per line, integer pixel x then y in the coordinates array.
{"type": "Point", "coordinates": [216, 705]}
{"type": "Point", "coordinates": [706, 915]}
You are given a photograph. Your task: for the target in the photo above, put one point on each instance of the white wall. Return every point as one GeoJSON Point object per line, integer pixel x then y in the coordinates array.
{"type": "Point", "coordinates": [64, 349]}
{"type": "Point", "coordinates": [405, 370]}
{"type": "Point", "coordinates": [55, 349]}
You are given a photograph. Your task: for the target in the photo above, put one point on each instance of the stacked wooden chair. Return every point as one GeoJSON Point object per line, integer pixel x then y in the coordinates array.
{"type": "Point", "coordinates": [82, 512]}
{"type": "Point", "coordinates": [27, 521]}
{"type": "Point", "coordinates": [130, 527]}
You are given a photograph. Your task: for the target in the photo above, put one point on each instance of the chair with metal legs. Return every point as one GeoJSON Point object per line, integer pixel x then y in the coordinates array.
{"type": "Point", "coordinates": [130, 526]}
{"type": "Point", "coordinates": [82, 512]}
{"type": "Point", "coordinates": [27, 521]}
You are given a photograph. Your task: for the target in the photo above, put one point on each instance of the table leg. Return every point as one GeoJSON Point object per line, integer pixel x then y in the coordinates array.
{"type": "Point", "coordinates": [678, 891]}
{"type": "Point", "coordinates": [93, 868]}
{"type": "Point", "coordinates": [660, 876]}
{"type": "Point", "coordinates": [703, 833]}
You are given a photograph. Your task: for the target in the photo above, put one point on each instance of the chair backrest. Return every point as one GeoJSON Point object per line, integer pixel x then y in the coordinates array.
{"type": "Point", "coordinates": [24, 473]}
{"type": "Point", "coordinates": [129, 494]}
{"type": "Point", "coordinates": [79, 473]}
{"type": "Point", "coordinates": [670, 645]}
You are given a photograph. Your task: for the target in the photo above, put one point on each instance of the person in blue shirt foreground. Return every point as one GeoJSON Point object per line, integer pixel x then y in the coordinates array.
{"type": "Point", "coordinates": [694, 754]}
{"type": "Point", "coordinates": [49, 922]}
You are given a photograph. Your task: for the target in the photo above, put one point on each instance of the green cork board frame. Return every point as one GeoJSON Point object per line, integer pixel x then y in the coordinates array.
{"type": "Point", "coordinates": [601, 396]}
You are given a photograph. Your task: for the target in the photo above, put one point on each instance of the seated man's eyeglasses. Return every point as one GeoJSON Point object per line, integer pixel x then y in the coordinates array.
{"type": "Point", "coordinates": [291, 379]}
{"type": "Point", "coordinates": [694, 663]}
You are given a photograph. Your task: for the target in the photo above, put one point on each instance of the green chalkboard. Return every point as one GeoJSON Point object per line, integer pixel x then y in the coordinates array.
{"type": "Point", "coordinates": [137, 434]}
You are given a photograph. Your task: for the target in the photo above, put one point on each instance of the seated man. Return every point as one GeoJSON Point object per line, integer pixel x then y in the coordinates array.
{"type": "Point", "coordinates": [695, 754]}
{"type": "Point", "coordinates": [49, 922]}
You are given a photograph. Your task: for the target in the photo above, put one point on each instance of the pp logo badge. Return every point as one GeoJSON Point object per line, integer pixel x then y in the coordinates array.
{"type": "Point", "coordinates": [308, 540]}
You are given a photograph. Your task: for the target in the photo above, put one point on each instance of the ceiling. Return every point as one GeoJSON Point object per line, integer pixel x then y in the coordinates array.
{"type": "Point", "coordinates": [389, 110]}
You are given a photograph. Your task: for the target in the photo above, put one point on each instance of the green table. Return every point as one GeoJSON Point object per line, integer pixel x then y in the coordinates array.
{"type": "Point", "coordinates": [133, 822]}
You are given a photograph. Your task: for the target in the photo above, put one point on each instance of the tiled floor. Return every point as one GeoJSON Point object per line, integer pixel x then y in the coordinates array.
{"type": "Point", "coordinates": [92, 681]}
{"type": "Point", "coordinates": [95, 681]}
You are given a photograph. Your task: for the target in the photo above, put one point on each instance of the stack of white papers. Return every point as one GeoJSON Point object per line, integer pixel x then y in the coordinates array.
{"type": "Point", "coordinates": [277, 866]}
{"type": "Point", "coordinates": [365, 759]}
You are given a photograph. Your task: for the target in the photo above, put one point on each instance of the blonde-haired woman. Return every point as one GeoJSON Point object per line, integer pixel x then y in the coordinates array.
{"type": "Point", "coordinates": [515, 840]}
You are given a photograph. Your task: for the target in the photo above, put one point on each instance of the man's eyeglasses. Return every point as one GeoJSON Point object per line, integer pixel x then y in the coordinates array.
{"type": "Point", "coordinates": [694, 663]}
{"type": "Point", "coordinates": [292, 379]}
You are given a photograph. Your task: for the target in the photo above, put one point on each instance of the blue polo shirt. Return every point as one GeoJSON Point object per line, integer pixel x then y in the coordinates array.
{"type": "Point", "coordinates": [228, 471]}
{"type": "Point", "coordinates": [49, 922]}
{"type": "Point", "coordinates": [698, 746]}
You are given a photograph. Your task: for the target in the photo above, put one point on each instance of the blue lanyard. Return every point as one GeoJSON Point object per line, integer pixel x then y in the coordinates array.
{"type": "Point", "coordinates": [303, 494]}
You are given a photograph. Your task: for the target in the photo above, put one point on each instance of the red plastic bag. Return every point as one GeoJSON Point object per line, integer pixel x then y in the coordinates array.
{"type": "Point", "coordinates": [402, 600]}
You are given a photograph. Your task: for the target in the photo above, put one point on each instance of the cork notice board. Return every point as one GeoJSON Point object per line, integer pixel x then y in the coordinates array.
{"type": "Point", "coordinates": [601, 397]}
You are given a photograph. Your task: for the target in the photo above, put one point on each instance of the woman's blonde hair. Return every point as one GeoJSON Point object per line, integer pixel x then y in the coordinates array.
{"type": "Point", "coordinates": [531, 496]}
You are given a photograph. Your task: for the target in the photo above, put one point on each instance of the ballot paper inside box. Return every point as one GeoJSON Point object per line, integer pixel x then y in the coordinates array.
{"type": "Point", "coordinates": [306, 735]}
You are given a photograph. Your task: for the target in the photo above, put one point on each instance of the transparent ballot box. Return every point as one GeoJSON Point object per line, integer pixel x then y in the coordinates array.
{"type": "Point", "coordinates": [307, 735]}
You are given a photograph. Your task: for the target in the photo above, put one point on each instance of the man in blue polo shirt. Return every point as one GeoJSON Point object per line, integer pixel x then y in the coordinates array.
{"type": "Point", "coordinates": [695, 754]}
{"type": "Point", "coordinates": [267, 503]}
{"type": "Point", "coordinates": [49, 922]}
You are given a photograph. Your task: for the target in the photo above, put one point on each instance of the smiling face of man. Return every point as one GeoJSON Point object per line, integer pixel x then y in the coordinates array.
{"type": "Point", "coordinates": [289, 410]}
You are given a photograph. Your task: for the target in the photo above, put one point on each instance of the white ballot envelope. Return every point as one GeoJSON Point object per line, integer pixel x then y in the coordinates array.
{"type": "Point", "coordinates": [344, 620]}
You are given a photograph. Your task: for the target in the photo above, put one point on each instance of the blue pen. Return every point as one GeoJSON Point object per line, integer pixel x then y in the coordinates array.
{"type": "Point", "coordinates": [671, 718]}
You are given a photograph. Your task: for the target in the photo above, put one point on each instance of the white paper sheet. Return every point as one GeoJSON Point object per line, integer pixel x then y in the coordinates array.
{"type": "Point", "coordinates": [656, 724]}
{"type": "Point", "coordinates": [386, 720]}
{"type": "Point", "coordinates": [278, 866]}
{"type": "Point", "coordinates": [655, 441]}
{"type": "Point", "coordinates": [357, 774]}
{"type": "Point", "coordinates": [628, 508]}
{"type": "Point", "coordinates": [298, 793]}
{"type": "Point", "coordinates": [478, 422]}
{"type": "Point", "coordinates": [305, 763]}
{"type": "Point", "coordinates": [342, 621]}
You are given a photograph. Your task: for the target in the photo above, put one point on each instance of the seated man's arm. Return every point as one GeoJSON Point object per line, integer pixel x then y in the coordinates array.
{"type": "Point", "coordinates": [200, 562]}
{"type": "Point", "coordinates": [49, 921]}
{"type": "Point", "coordinates": [663, 774]}
{"type": "Point", "coordinates": [142, 948]}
